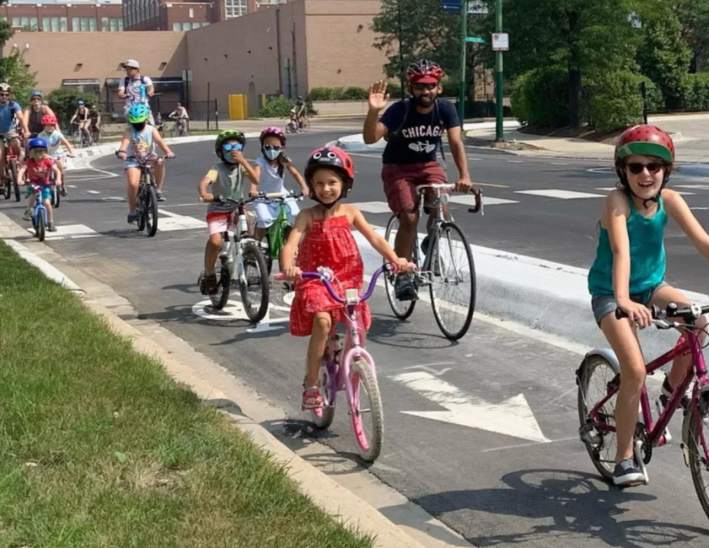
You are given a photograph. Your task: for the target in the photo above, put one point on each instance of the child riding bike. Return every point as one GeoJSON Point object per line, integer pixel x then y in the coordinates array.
{"type": "Point", "coordinates": [37, 170]}
{"type": "Point", "coordinates": [327, 241]}
{"type": "Point", "coordinates": [269, 169]}
{"type": "Point", "coordinates": [226, 180]}
{"type": "Point", "coordinates": [629, 272]}
{"type": "Point", "coordinates": [55, 140]}
{"type": "Point", "coordinates": [142, 139]}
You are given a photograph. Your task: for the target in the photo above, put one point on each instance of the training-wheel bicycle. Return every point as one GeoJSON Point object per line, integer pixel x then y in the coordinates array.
{"type": "Point", "coordinates": [447, 269]}
{"type": "Point", "coordinates": [350, 368]}
{"type": "Point", "coordinates": [598, 380]}
{"type": "Point", "coordinates": [241, 260]}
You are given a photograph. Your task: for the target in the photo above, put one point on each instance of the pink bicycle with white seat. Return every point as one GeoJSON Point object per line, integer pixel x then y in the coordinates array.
{"type": "Point", "coordinates": [350, 368]}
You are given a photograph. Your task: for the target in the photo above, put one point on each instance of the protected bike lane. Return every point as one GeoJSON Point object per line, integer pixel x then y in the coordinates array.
{"type": "Point", "coordinates": [481, 433]}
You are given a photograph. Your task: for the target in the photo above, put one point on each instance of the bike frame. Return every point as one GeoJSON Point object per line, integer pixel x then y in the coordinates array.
{"type": "Point", "coordinates": [689, 343]}
{"type": "Point", "coordinates": [339, 369]}
{"type": "Point", "coordinates": [275, 231]}
{"type": "Point", "coordinates": [38, 208]}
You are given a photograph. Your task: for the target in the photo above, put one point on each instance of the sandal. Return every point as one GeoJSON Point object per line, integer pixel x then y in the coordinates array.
{"type": "Point", "coordinates": [312, 399]}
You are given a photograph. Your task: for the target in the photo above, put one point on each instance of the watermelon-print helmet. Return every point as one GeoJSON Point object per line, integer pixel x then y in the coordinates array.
{"type": "Point", "coordinates": [649, 141]}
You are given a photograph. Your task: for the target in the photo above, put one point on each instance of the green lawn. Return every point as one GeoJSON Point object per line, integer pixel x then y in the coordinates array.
{"type": "Point", "coordinates": [100, 448]}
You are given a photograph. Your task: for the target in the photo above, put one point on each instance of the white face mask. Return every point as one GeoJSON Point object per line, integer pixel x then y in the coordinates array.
{"type": "Point", "coordinates": [272, 154]}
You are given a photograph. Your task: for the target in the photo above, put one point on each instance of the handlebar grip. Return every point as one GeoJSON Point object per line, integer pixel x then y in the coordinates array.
{"type": "Point", "coordinates": [654, 311]}
{"type": "Point", "coordinates": [280, 277]}
{"type": "Point", "coordinates": [478, 201]}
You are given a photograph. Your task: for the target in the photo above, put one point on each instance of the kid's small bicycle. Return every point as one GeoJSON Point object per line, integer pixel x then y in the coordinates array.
{"type": "Point", "coordinates": [350, 368]}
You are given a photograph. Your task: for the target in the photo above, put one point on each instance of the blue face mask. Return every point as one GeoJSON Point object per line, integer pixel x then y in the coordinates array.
{"type": "Point", "coordinates": [271, 154]}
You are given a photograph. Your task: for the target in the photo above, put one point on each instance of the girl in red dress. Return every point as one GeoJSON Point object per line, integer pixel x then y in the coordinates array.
{"type": "Point", "coordinates": [327, 241]}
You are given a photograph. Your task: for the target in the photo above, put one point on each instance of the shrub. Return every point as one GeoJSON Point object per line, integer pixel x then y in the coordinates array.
{"type": "Point", "coordinates": [695, 96]}
{"type": "Point", "coordinates": [323, 94]}
{"type": "Point", "coordinates": [354, 94]}
{"type": "Point", "coordinates": [615, 100]}
{"type": "Point", "coordinates": [63, 102]}
{"type": "Point", "coordinates": [394, 90]}
{"type": "Point", "coordinates": [546, 101]}
{"type": "Point", "coordinates": [519, 108]}
{"type": "Point", "coordinates": [279, 107]}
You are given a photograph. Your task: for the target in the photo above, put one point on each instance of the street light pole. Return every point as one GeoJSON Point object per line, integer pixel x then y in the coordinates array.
{"type": "Point", "coordinates": [401, 53]}
{"type": "Point", "coordinates": [499, 134]}
{"type": "Point", "coordinates": [463, 54]}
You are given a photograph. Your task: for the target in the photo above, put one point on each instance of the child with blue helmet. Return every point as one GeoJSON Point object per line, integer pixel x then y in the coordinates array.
{"type": "Point", "coordinates": [142, 140]}
{"type": "Point", "coordinates": [37, 171]}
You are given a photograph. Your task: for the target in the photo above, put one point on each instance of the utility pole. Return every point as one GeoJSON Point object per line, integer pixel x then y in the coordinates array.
{"type": "Point", "coordinates": [499, 134]}
{"type": "Point", "coordinates": [463, 55]}
{"type": "Point", "coordinates": [401, 53]}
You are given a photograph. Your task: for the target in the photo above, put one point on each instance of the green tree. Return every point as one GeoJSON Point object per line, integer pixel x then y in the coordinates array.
{"type": "Point", "coordinates": [664, 56]}
{"type": "Point", "coordinates": [694, 17]}
{"type": "Point", "coordinates": [14, 72]}
{"type": "Point", "coordinates": [585, 37]}
{"type": "Point", "coordinates": [425, 31]}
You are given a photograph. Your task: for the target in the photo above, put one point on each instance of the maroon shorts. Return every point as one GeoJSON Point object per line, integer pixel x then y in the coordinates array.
{"type": "Point", "coordinates": [401, 182]}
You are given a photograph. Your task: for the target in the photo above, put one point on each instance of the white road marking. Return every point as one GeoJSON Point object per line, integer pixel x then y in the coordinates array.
{"type": "Point", "coordinates": [68, 232]}
{"type": "Point", "coordinates": [488, 200]}
{"type": "Point", "coordinates": [93, 192]}
{"type": "Point", "coordinates": [693, 187]}
{"type": "Point", "coordinates": [373, 207]}
{"type": "Point", "coordinates": [515, 161]}
{"type": "Point", "coordinates": [559, 163]}
{"type": "Point", "coordinates": [176, 221]}
{"type": "Point", "coordinates": [114, 199]}
{"type": "Point", "coordinates": [608, 189]}
{"type": "Point", "coordinates": [560, 194]}
{"type": "Point", "coordinates": [512, 417]}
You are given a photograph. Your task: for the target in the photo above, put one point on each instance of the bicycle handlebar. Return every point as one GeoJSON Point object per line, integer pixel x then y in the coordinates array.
{"type": "Point", "coordinates": [478, 194]}
{"type": "Point", "coordinates": [325, 275]}
{"type": "Point", "coordinates": [242, 201]}
{"type": "Point", "coordinates": [280, 196]}
{"type": "Point", "coordinates": [672, 311]}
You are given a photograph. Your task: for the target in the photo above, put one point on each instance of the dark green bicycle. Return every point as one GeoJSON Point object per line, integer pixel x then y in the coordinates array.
{"type": "Point", "coordinates": [278, 232]}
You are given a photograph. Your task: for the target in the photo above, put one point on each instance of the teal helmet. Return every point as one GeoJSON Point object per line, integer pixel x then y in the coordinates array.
{"type": "Point", "coordinates": [137, 114]}
{"type": "Point", "coordinates": [36, 93]}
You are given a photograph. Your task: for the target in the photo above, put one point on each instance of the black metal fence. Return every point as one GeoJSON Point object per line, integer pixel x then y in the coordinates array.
{"type": "Point", "coordinates": [205, 112]}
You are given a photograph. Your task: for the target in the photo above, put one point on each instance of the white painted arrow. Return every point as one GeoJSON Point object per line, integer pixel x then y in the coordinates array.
{"type": "Point", "coordinates": [512, 417]}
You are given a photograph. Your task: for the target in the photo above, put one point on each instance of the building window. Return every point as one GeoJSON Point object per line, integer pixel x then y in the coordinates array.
{"type": "Point", "coordinates": [113, 24]}
{"type": "Point", "coordinates": [177, 26]}
{"type": "Point", "coordinates": [186, 26]}
{"type": "Point", "coordinates": [191, 13]}
{"type": "Point", "coordinates": [235, 8]}
{"type": "Point", "coordinates": [196, 25]}
{"type": "Point", "coordinates": [83, 24]}
{"type": "Point", "coordinates": [25, 22]}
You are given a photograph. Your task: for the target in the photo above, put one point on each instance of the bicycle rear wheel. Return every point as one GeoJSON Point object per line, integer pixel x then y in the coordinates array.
{"type": "Point", "coordinates": [698, 457]}
{"type": "Point", "coordinates": [8, 187]}
{"type": "Point", "coordinates": [15, 179]}
{"type": "Point", "coordinates": [306, 125]}
{"type": "Point", "coordinates": [453, 283]}
{"type": "Point", "coordinates": [150, 208]}
{"type": "Point", "coordinates": [220, 299]}
{"type": "Point", "coordinates": [401, 309]}
{"type": "Point", "coordinates": [56, 196]}
{"type": "Point", "coordinates": [593, 380]}
{"type": "Point", "coordinates": [369, 444]}
{"type": "Point", "coordinates": [254, 285]}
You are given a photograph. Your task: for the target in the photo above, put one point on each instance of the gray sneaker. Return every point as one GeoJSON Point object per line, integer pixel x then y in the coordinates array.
{"type": "Point", "coordinates": [28, 215]}
{"type": "Point", "coordinates": [51, 227]}
{"type": "Point", "coordinates": [627, 474]}
{"type": "Point", "coordinates": [159, 196]}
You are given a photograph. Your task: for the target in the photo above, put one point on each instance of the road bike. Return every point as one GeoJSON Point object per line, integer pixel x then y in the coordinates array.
{"type": "Point", "coordinates": [350, 368]}
{"type": "Point", "coordinates": [598, 380]}
{"type": "Point", "coordinates": [241, 260]}
{"type": "Point", "coordinates": [447, 269]}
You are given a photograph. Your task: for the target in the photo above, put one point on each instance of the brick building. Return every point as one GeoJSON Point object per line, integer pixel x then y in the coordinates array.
{"type": "Point", "coordinates": [64, 15]}
{"type": "Point", "coordinates": [187, 14]}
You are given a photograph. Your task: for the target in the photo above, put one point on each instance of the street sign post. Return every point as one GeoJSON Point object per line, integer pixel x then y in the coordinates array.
{"type": "Point", "coordinates": [477, 7]}
{"type": "Point", "coordinates": [454, 6]}
{"type": "Point", "coordinates": [500, 41]}
{"type": "Point", "coordinates": [475, 40]}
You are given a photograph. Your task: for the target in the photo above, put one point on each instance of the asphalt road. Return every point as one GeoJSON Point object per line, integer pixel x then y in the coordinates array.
{"type": "Point", "coordinates": [496, 489]}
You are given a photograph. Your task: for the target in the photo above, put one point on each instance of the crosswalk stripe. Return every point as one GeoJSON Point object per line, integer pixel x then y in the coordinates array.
{"type": "Point", "coordinates": [560, 194]}
{"type": "Point", "coordinates": [488, 200]}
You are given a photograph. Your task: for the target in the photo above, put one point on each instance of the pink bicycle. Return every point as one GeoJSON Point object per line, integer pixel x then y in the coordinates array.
{"type": "Point", "coordinates": [600, 370]}
{"type": "Point", "coordinates": [350, 369]}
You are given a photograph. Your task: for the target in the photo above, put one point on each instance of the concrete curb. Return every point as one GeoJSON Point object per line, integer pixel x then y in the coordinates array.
{"type": "Point", "coordinates": [218, 387]}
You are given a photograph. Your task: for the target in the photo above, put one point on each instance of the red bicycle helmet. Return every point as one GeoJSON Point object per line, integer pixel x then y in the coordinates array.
{"type": "Point", "coordinates": [49, 120]}
{"type": "Point", "coordinates": [331, 158]}
{"type": "Point", "coordinates": [275, 131]}
{"type": "Point", "coordinates": [649, 141]}
{"type": "Point", "coordinates": [424, 72]}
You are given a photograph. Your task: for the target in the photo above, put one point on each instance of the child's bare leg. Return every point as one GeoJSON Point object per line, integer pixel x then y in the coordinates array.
{"type": "Point", "coordinates": [48, 206]}
{"type": "Point", "coordinates": [322, 322]}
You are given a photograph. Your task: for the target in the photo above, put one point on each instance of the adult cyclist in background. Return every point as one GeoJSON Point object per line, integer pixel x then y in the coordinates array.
{"type": "Point", "coordinates": [35, 112]}
{"type": "Point", "coordinates": [413, 128]}
{"type": "Point", "coordinates": [299, 111]}
{"type": "Point", "coordinates": [10, 112]}
{"type": "Point", "coordinates": [136, 88]}
{"type": "Point", "coordinates": [81, 117]}
{"type": "Point", "coordinates": [94, 123]}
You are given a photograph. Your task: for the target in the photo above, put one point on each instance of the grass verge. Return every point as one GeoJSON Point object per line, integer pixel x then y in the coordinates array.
{"type": "Point", "coordinates": [100, 448]}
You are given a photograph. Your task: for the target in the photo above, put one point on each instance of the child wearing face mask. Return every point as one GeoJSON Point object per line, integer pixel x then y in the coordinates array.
{"type": "Point", "coordinates": [142, 139]}
{"type": "Point", "coordinates": [270, 168]}
{"type": "Point", "coordinates": [36, 171]}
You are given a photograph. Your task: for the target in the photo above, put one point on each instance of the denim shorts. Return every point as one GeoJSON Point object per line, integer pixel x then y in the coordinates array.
{"type": "Point", "coordinates": [606, 304]}
{"type": "Point", "coordinates": [46, 192]}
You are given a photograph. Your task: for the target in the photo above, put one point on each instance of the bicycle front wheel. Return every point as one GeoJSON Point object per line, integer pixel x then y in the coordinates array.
{"type": "Point", "coordinates": [254, 284]}
{"type": "Point", "coordinates": [698, 456]}
{"type": "Point", "coordinates": [221, 297]}
{"type": "Point", "coordinates": [401, 309]}
{"type": "Point", "coordinates": [367, 411]}
{"type": "Point", "coordinates": [306, 125]}
{"type": "Point", "coordinates": [56, 197]}
{"type": "Point", "coordinates": [593, 379]}
{"type": "Point", "coordinates": [15, 179]}
{"type": "Point", "coordinates": [453, 284]}
{"type": "Point", "coordinates": [41, 227]}
{"type": "Point", "coordinates": [150, 210]}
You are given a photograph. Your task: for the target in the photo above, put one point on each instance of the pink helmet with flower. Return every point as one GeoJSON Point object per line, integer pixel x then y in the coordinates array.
{"type": "Point", "coordinates": [273, 131]}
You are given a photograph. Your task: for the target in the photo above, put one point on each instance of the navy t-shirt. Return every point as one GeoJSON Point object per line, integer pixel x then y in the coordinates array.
{"type": "Point", "coordinates": [420, 136]}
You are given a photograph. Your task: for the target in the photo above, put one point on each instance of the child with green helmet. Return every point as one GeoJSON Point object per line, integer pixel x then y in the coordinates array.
{"type": "Point", "coordinates": [226, 180]}
{"type": "Point", "coordinates": [142, 139]}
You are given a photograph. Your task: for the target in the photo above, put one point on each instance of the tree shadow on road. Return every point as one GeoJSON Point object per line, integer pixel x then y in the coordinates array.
{"type": "Point", "coordinates": [568, 504]}
{"type": "Point", "coordinates": [391, 331]}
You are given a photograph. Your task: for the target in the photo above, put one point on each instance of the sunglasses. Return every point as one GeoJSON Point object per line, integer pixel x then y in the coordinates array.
{"type": "Point", "coordinates": [235, 146]}
{"type": "Point", "coordinates": [272, 147]}
{"type": "Point", "coordinates": [653, 167]}
{"type": "Point", "coordinates": [4, 95]}
{"type": "Point", "coordinates": [421, 87]}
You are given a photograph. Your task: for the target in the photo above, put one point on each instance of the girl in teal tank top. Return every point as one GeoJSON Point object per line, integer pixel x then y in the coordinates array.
{"type": "Point", "coordinates": [629, 272]}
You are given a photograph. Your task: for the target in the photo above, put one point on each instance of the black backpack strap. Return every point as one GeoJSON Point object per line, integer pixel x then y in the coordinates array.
{"type": "Point", "coordinates": [396, 133]}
